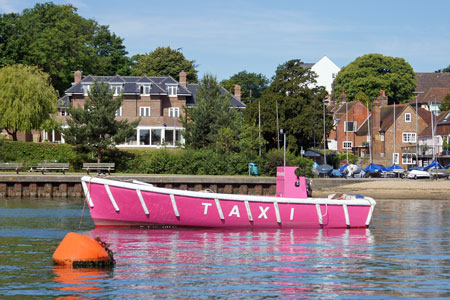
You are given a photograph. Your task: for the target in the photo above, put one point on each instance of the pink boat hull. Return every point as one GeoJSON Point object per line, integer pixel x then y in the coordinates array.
{"type": "Point", "coordinates": [115, 203]}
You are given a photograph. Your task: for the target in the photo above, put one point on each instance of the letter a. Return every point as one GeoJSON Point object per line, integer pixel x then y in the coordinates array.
{"type": "Point", "coordinates": [235, 211]}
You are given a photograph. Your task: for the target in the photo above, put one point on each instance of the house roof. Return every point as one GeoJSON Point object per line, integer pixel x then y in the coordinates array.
{"type": "Point", "coordinates": [426, 81]}
{"type": "Point", "coordinates": [193, 87]}
{"type": "Point", "coordinates": [442, 119]}
{"type": "Point", "coordinates": [387, 115]}
{"type": "Point", "coordinates": [131, 86]}
{"type": "Point", "coordinates": [434, 94]}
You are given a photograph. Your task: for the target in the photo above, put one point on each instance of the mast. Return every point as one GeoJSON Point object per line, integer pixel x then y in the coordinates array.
{"type": "Point", "coordinates": [324, 136]}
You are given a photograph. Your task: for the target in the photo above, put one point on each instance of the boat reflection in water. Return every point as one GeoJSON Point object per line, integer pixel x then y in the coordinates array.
{"type": "Point", "coordinates": [207, 263]}
{"type": "Point", "coordinates": [85, 283]}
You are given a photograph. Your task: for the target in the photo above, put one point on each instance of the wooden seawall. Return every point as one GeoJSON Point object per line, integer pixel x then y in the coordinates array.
{"type": "Point", "coordinates": [34, 185]}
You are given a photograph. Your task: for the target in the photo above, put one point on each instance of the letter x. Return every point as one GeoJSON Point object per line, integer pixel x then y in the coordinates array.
{"type": "Point", "coordinates": [263, 212]}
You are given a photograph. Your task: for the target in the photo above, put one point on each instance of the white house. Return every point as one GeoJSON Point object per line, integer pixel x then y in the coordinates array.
{"type": "Point", "coordinates": [326, 71]}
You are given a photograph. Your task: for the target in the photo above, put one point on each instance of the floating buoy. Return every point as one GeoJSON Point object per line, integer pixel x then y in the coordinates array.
{"type": "Point", "coordinates": [81, 250]}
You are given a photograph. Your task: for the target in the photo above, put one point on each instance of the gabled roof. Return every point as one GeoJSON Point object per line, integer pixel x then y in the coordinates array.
{"type": "Point", "coordinates": [387, 115]}
{"type": "Point", "coordinates": [63, 102]}
{"type": "Point", "coordinates": [116, 79]}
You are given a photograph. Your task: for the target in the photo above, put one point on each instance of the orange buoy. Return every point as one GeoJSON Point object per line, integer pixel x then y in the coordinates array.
{"type": "Point", "coordinates": [82, 250]}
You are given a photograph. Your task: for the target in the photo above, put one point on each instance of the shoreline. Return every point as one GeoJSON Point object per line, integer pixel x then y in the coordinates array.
{"type": "Point", "coordinates": [395, 189]}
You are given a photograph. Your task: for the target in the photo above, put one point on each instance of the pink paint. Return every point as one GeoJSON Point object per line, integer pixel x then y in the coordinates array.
{"type": "Point", "coordinates": [291, 208]}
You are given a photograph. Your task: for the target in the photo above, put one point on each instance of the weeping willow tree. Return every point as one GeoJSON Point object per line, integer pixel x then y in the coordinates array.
{"type": "Point", "coordinates": [27, 99]}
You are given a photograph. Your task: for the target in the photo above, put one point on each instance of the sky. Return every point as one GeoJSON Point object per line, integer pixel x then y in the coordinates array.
{"type": "Point", "coordinates": [226, 37]}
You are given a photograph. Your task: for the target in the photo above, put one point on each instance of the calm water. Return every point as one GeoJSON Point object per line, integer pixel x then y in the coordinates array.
{"type": "Point", "coordinates": [405, 254]}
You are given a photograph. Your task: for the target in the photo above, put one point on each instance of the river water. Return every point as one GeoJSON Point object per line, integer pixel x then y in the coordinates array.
{"type": "Point", "coordinates": [405, 254]}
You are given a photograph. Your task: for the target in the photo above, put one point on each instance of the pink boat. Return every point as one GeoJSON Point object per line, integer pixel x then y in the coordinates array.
{"type": "Point", "coordinates": [138, 204]}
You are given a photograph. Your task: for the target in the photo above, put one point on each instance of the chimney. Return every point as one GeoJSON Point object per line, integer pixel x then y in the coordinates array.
{"type": "Point", "coordinates": [382, 99]}
{"type": "Point", "coordinates": [343, 98]}
{"type": "Point", "coordinates": [77, 76]}
{"type": "Point", "coordinates": [237, 92]}
{"type": "Point", "coordinates": [183, 78]}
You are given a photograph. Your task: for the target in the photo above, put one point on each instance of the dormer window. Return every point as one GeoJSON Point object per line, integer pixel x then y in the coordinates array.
{"type": "Point", "coordinates": [145, 90]}
{"type": "Point", "coordinates": [86, 89]}
{"type": "Point", "coordinates": [172, 90]}
{"type": "Point", "coordinates": [117, 89]}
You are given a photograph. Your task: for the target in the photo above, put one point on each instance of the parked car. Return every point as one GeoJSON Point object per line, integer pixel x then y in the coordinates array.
{"type": "Point", "coordinates": [416, 174]}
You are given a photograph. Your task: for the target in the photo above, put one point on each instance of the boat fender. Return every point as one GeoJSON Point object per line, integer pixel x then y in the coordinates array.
{"type": "Point", "coordinates": [80, 250]}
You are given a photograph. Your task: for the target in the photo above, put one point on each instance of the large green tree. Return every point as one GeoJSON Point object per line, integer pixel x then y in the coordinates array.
{"type": "Point", "coordinates": [94, 127]}
{"type": "Point", "coordinates": [27, 99]}
{"type": "Point", "coordinates": [252, 85]}
{"type": "Point", "coordinates": [371, 73]}
{"type": "Point", "coordinates": [164, 61]}
{"type": "Point", "coordinates": [205, 123]}
{"type": "Point", "coordinates": [59, 41]}
{"type": "Point", "coordinates": [299, 107]}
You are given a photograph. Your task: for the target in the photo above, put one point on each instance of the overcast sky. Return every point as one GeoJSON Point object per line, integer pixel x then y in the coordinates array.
{"type": "Point", "coordinates": [226, 37]}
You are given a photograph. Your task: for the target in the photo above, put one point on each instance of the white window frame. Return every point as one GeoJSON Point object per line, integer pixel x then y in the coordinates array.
{"type": "Point", "coordinates": [174, 112]}
{"type": "Point", "coordinates": [346, 126]}
{"type": "Point", "coordinates": [63, 112]}
{"type": "Point", "coordinates": [145, 88]}
{"type": "Point", "coordinates": [119, 112]}
{"type": "Point", "coordinates": [347, 144]}
{"type": "Point", "coordinates": [409, 137]}
{"type": "Point", "coordinates": [86, 89]}
{"type": "Point", "coordinates": [409, 158]}
{"type": "Point", "coordinates": [382, 136]}
{"type": "Point", "coordinates": [396, 158]}
{"type": "Point", "coordinates": [172, 90]}
{"type": "Point", "coordinates": [117, 89]}
{"type": "Point", "coordinates": [144, 111]}
{"type": "Point", "coordinates": [408, 117]}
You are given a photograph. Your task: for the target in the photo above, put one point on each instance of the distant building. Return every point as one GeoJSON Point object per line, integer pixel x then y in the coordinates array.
{"type": "Point", "coordinates": [157, 101]}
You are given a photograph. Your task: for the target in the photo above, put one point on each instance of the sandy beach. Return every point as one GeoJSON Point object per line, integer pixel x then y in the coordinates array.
{"type": "Point", "coordinates": [403, 189]}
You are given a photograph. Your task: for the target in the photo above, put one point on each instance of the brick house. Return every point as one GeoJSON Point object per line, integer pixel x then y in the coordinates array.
{"type": "Point", "coordinates": [394, 131]}
{"type": "Point", "coordinates": [348, 117]}
{"type": "Point", "coordinates": [158, 101]}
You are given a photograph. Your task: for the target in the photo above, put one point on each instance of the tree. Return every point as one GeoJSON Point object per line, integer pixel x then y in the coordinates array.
{"type": "Point", "coordinates": [94, 127]}
{"type": "Point", "coordinates": [299, 106]}
{"type": "Point", "coordinates": [371, 73]}
{"type": "Point", "coordinates": [164, 61]}
{"type": "Point", "coordinates": [59, 41]}
{"type": "Point", "coordinates": [211, 114]}
{"type": "Point", "coordinates": [27, 99]}
{"type": "Point", "coordinates": [445, 104]}
{"type": "Point", "coordinates": [252, 85]}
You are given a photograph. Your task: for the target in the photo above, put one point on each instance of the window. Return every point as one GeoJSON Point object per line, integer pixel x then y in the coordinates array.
{"type": "Point", "coordinates": [145, 90]}
{"type": "Point", "coordinates": [395, 158]}
{"type": "Point", "coordinates": [144, 111]}
{"type": "Point", "coordinates": [144, 137]}
{"type": "Point", "coordinates": [350, 126]}
{"type": "Point", "coordinates": [119, 112]}
{"type": "Point", "coordinates": [347, 145]}
{"type": "Point", "coordinates": [117, 89]}
{"type": "Point", "coordinates": [172, 90]}
{"type": "Point", "coordinates": [86, 89]}
{"type": "Point", "coordinates": [382, 136]}
{"type": "Point", "coordinates": [408, 158]}
{"type": "Point", "coordinates": [407, 117]}
{"type": "Point", "coordinates": [174, 112]}
{"type": "Point", "coordinates": [64, 112]}
{"type": "Point", "coordinates": [156, 137]}
{"type": "Point", "coordinates": [409, 137]}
